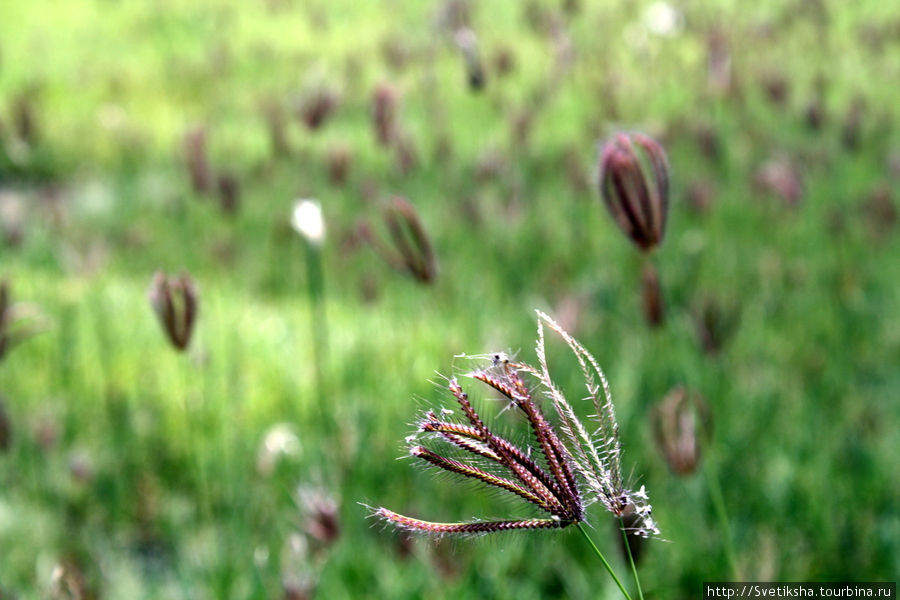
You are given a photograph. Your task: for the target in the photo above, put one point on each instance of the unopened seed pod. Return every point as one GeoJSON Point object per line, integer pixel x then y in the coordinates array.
{"type": "Point", "coordinates": [410, 248]}
{"type": "Point", "coordinates": [634, 183]}
{"type": "Point", "coordinates": [681, 424]}
{"type": "Point", "coordinates": [174, 299]}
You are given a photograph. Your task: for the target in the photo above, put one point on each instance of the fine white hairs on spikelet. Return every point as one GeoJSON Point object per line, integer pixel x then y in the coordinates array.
{"type": "Point", "coordinates": [596, 456]}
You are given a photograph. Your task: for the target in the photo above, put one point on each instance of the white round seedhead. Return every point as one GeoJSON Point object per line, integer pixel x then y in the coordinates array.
{"type": "Point", "coordinates": [306, 219]}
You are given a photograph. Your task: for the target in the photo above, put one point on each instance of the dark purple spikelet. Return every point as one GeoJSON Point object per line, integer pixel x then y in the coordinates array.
{"type": "Point", "coordinates": [175, 301]}
{"type": "Point", "coordinates": [634, 183]}
{"type": "Point", "coordinates": [549, 484]}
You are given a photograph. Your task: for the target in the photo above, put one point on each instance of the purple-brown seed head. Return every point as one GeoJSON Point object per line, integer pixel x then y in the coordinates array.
{"type": "Point", "coordinates": [174, 299]}
{"type": "Point", "coordinates": [634, 183]}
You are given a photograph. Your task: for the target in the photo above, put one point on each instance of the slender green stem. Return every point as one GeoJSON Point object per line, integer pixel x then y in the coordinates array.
{"type": "Point", "coordinates": [718, 500]}
{"type": "Point", "coordinates": [637, 581]}
{"type": "Point", "coordinates": [318, 323]}
{"type": "Point", "coordinates": [604, 561]}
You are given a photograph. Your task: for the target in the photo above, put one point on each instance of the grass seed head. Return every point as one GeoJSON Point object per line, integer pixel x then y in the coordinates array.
{"type": "Point", "coordinates": [564, 465]}
{"type": "Point", "coordinates": [175, 301]}
{"type": "Point", "coordinates": [634, 183]}
{"type": "Point", "coordinates": [681, 425]}
{"type": "Point", "coordinates": [197, 160]}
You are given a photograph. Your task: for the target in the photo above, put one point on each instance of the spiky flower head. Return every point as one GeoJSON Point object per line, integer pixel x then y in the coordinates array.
{"type": "Point", "coordinates": [559, 474]}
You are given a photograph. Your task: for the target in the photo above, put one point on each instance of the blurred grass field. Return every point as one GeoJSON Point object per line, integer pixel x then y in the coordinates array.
{"type": "Point", "coordinates": [134, 471]}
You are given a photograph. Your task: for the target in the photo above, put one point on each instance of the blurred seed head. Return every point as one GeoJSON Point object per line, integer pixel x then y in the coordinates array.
{"type": "Point", "coordinates": [503, 61]}
{"type": "Point", "coordinates": [778, 176]}
{"type": "Point", "coordinates": [197, 161]}
{"type": "Point", "coordinates": [12, 217]}
{"type": "Point", "coordinates": [716, 322]}
{"type": "Point", "coordinates": [404, 544]}
{"type": "Point", "coordinates": [18, 322]}
{"type": "Point", "coordinates": [815, 114]}
{"type": "Point", "coordinates": [718, 62]}
{"type": "Point", "coordinates": [279, 441]}
{"type": "Point", "coordinates": [453, 14]}
{"type": "Point", "coordinates": [24, 116]}
{"type": "Point", "coordinates": [229, 189]}
{"type": "Point", "coordinates": [395, 52]}
{"type": "Point", "coordinates": [406, 157]}
{"type": "Point", "coordinates": [776, 88]}
{"type": "Point", "coordinates": [490, 166]}
{"type": "Point", "coordinates": [708, 141]}
{"type": "Point", "coordinates": [6, 430]}
{"type": "Point", "coordinates": [175, 301]}
{"type": "Point", "coordinates": [338, 164]}
{"type": "Point", "coordinates": [275, 115]}
{"type": "Point", "coordinates": [467, 42]}
{"type": "Point", "coordinates": [298, 578]}
{"type": "Point", "coordinates": [81, 466]}
{"type": "Point", "coordinates": [316, 105]}
{"type": "Point", "coordinates": [521, 124]}
{"type": "Point", "coordinates": [307, 220]}
{"type": "Point", "coordinates": [384, 113]}
{"type": "Point", "coordinates": [681, 425]}
{"type": "Point", "coordinates": [852, 126]}
{"type": "Point", "coordinates": [410, 249]}
{"type": "Point", "coordinates": [879, 212]}
{"type": "Point", "coordinates": [893, 164]}
{"type": "Point", "coordinates": [634, 183]}
{"type": "Point", "coordinates": [68, 581]}
{"type": "Point", "coordinates": [320, 515]}
{"type": "Point", "coordinates": [700, 196]}
{"type": "Point", "coordinates": [46, 432]}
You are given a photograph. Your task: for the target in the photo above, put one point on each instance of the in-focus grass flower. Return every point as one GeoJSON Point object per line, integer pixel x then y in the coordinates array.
{"type": "Point", "coordinates": [564, 470]}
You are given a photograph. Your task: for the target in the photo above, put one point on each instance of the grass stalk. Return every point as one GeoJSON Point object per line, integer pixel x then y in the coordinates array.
{"type": "Point", "coordinates": [606, 564]}
{"type": "Point", "coordinates": [718, 501]}
{"type": "Point", "coordinates": [315, 288]}
{"type": "Point", "coordinates": [637, 581]}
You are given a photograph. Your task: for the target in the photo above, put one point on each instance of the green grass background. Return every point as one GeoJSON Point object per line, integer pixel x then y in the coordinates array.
{"type": "Point", "coordinates": [804, 396]}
